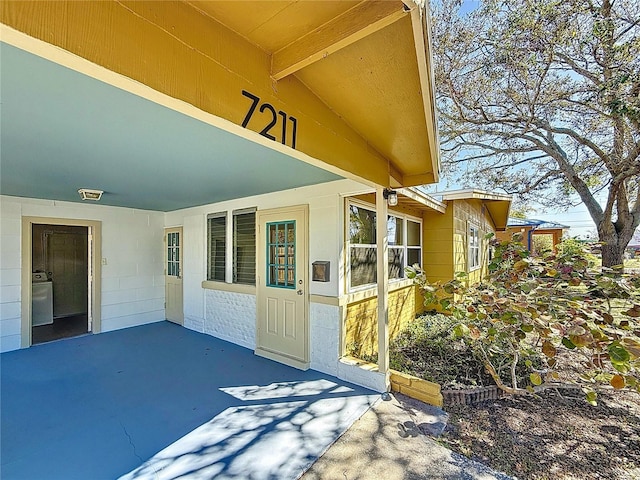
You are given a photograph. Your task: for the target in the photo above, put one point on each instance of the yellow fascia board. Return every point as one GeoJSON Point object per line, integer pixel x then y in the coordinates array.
{"type": "Point", "coordinates": [353, 25]}
{"type": "Point", "coordinates": [421, 33]}
{"type": "Point", "coordinates": [423, 198]}
{"type": "Point", "coordinates": [168, 48]}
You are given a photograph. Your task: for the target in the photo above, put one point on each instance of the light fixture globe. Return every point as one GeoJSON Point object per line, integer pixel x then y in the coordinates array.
{"type": "Point", "coordinates": [391, 196]}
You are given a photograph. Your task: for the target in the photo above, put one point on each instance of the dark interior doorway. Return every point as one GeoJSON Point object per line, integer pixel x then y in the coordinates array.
{"type": "Point", "coordinates": [60, 286]}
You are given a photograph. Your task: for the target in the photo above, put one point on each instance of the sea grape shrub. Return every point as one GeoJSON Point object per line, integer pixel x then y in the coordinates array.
{"type": "Point", "coordinates": [577, 321]}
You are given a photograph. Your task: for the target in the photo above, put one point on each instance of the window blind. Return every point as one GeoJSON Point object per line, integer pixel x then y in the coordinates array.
{"type": "Point", "coordinates": [216, 232]}
{"type": "Point", "coordinates": [244, 248]}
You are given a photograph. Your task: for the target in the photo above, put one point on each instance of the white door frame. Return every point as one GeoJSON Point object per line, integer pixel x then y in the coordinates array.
{"type": "Point", "coordinates": [302, 261]}
{"type": "Point", "coordinates": [94, 267]}
{"type": "Point", "coordinates": [179, 319]}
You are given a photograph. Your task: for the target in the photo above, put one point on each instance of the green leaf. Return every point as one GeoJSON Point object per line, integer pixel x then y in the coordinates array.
{"type": "Point", "coordinates": [568, 343]}
{"type": "Point", "coordinates": [535, 378]}
{"type": "Point", "coordinates": [460, 330]}
{"type": "Point", "coordinates": [591, 398]}
{"type": "Point", "coordinates": [527, 328]}
{"type": "Point", "coordinates": [618, 354]}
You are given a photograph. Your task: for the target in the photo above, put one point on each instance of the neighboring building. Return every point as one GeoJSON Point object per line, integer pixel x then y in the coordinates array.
{"type": "Point", "coordinates": [634, 245]}
{"type": "Point", "coordinates": [458, 241]}
{"type": "Point", "coordinates": [529, 228]}
{"type": "Point", "coordinates": [229, 139]}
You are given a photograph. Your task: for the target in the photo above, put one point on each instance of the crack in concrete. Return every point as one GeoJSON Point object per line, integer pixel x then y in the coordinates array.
{"type": "Point", "coordinates": [131, 442]}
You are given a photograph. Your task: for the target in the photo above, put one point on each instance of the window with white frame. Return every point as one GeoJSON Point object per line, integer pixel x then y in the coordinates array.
{"type": "Point", "coordinates": [404, 236]}
{"type": "Point", "coordinates": [473, 240]}
{"type": "Point", "coordinates": [241, 254]}
{"type": "Point", "coordinates": [217, 246]}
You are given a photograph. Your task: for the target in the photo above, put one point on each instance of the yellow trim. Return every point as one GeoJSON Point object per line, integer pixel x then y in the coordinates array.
{"type": "Point", "coordinates": [340, 32]}
{"type": "Point", "coordinates": [414, 387]}
{"type": "Point", "coordinates": [372, 292]}
{"type": "Point", "coordinates": [26, 267]}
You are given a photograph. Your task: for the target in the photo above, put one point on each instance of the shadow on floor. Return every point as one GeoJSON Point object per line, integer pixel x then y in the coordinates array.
{"type": "Point", "coordinates": [161, 401]}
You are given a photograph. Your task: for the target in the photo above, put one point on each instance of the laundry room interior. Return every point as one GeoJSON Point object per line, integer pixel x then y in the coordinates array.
{"type": "Point", "coordinates": [60, 288]}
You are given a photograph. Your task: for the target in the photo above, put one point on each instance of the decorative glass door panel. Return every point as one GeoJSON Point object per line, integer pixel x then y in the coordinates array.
{"type": "Point", "coordinates": [281, 254]}
{"type": "Point", "coordinates": [173, 254]}
{"type": "Point", "coordinates": [174, 305]}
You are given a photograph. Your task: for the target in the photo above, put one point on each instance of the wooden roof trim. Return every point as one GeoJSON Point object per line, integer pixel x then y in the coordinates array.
{"type": "Point", "coordinates": [422, 40]}
{"type": "Point", "coordinates": [471, 194]}
{"type": "Point", "coordinates": [423, 199]}
{"type": "Point", "coordinates": [356, 23]}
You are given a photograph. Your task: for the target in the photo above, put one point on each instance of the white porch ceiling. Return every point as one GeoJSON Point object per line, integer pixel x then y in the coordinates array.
{"type": "Point", "coordinates": [62, 130]}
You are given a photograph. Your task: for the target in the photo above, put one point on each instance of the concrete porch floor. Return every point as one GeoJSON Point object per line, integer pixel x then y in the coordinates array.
{"type": "Point", "coordinates": [160, 401]}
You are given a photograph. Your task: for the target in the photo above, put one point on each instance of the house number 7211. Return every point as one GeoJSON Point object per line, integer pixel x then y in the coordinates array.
{"type": "Point", "coordinates": [272, 119]}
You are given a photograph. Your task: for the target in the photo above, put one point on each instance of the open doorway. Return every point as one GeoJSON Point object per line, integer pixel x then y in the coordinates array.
{"type": "Point", "coordinates": [61, 275]}
{"type": "Point", "coordinates": [60, 282]}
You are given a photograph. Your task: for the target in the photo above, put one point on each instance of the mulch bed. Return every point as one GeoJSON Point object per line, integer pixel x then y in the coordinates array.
{"type": "Point", "coordinates": [556, 436]}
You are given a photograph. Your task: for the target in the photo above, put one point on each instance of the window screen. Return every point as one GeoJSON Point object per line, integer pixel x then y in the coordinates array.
{"type": "Point", "coordinates": [244, 248]}
{"type": "Point", "coordinates": [217, 234]}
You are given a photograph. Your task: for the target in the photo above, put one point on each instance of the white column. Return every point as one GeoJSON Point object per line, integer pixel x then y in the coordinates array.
{"type": "Point", "coordinates": [383, 284]}
{"type": "Point", "coordinates": [228, 253]}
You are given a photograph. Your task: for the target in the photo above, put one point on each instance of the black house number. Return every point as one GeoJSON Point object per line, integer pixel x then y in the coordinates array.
{"type": "Point", "coordinates": [272, 118]}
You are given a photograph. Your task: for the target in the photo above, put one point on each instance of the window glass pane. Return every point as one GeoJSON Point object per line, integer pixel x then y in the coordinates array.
{"type": "Point", "coordinates": [282, 254]}
{"type": "Point", "coordinates": [362, 225]}
{"type": "Point", "coordinates": [413, 256]}
{"type": "Point", "coordinates": [244, 248]}
{"type": "Point", "coordinates": [394, 231]}
{"type": "Point", "coordinates": [413, 234]}
{"type": "Point", "coordinates": [474, 247]}
{"type": "Point", "coordinates": [363, 265]}
{"type": "Point", "coordinates": [396, 263]}
{"type": "Point", "coordinates": [216, 232]}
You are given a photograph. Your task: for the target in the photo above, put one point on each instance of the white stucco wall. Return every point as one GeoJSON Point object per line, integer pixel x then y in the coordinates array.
{"type": "Point", "coordinates": [232, 316]}
{"type": "Point", "coordinates": [132, 291]}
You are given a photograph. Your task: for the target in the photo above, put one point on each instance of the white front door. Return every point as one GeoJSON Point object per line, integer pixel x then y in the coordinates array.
{"type": "Point", "coordinates": [282, 286]}
{"type": "Point", "coordinates": [173, 275]}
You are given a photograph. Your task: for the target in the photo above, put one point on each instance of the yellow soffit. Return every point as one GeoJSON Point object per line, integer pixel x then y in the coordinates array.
{"type": "Point", "coordinates": [348, 83]}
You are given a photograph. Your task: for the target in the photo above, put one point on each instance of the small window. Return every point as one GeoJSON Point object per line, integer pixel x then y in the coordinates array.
{"type": "Point", "coordinates": [241, 255]}
{"type": "Point", "coordinates": [474, 247]}
{"type": "Point", "coordinates": [244, 248]}
{"type": "Point", "coordinates": [217, 239]}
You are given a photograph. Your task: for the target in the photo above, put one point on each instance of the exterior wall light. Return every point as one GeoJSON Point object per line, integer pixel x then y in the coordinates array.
{"type": "Point", "coordinates": [88, 194]}
{"type": "Point", "coordinates": [391, 196]}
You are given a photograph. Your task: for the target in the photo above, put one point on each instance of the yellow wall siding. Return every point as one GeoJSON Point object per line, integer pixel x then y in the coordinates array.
{"type": "Point", "coordinates": [466, 212]}
{"type": "Point", "coordinates": [437, 245]}
{"type": "Point", "coordinates": [362, 320]}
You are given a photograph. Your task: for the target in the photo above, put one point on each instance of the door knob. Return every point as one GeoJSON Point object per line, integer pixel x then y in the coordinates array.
{"type": "Point", "coordinates": [299, 292]}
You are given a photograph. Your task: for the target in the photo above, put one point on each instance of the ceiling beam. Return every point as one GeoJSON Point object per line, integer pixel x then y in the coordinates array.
{"type": "Point", "coordinates": [362, 20]}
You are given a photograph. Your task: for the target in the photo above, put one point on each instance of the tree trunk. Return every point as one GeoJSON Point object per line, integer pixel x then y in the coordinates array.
{"type": "Point", "coordinates": [612, 250]}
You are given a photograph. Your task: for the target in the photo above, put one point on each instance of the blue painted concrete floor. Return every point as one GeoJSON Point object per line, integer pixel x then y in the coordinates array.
{"type": "Point", "coordinates": [160, 401]}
